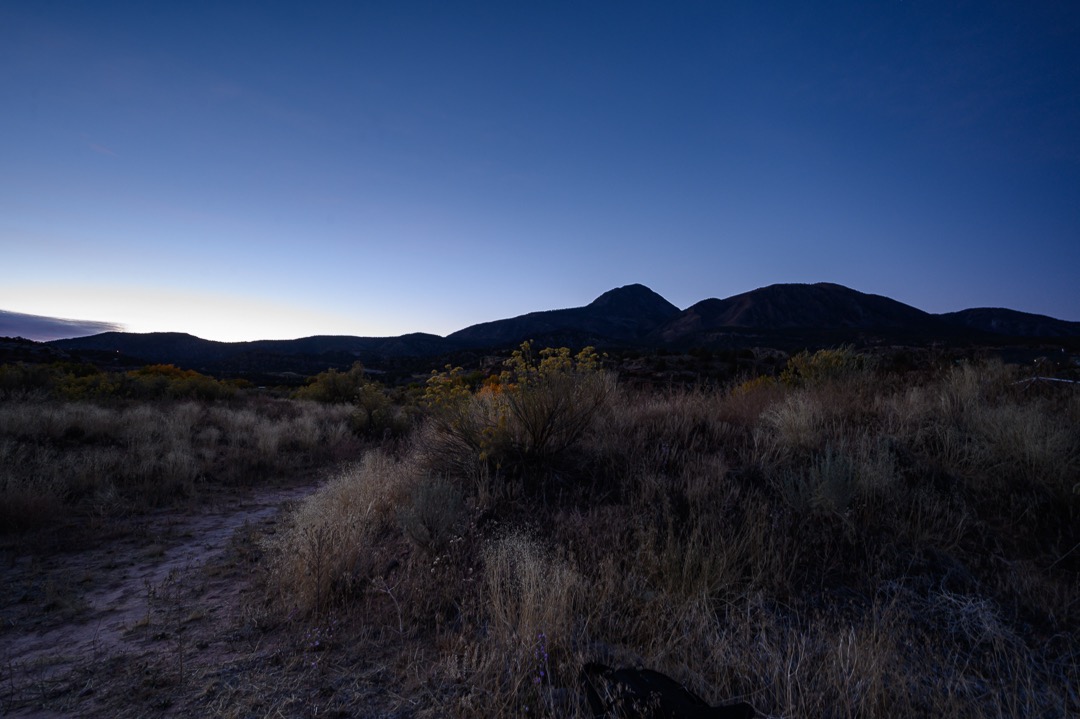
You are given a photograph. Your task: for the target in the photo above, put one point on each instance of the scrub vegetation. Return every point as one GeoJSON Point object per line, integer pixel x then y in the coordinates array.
{"type": "Point", "coordinates": [148, 439]}
{"type": "Point", "coordinates": [837, 540]}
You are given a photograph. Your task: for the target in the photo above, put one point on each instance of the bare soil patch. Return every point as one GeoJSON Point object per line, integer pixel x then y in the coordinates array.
{"type": "Point", "coordinates": [156, 618]}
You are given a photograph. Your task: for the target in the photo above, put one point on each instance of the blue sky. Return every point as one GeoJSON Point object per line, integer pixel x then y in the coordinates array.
{"type": "Point", "coordinates": [276, 170]}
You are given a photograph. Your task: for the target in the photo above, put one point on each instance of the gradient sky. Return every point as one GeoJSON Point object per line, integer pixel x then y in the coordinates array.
{"type": "Point", "coordinates": [276, 170]}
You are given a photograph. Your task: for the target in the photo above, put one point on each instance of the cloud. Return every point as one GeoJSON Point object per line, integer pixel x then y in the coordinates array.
{"type": "Point", "coordinates": [101, 149]}
{"type": "Point", "coordinates": [263, 104]}
{"type": "Point", "coordinates": [95, 146]}
{"type": "Point", "coordinates": [43, 329]}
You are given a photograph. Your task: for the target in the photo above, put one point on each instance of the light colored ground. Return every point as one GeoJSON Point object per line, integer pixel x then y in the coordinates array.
{"type": "Point", "coordinates": [153, 608]}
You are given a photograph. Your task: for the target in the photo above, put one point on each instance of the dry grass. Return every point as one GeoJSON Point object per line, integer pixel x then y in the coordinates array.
{"type": "Point", "coordinates": [57, 458]}
{"type": "Point", "coordinates": [531, 602]}
{"type": "Point", "coordinates": [329, 547]}
{"type": "Point", "coordinates": [845, 545]}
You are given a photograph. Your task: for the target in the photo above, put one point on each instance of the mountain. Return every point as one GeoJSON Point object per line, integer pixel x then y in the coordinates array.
{"type": "Point", "coordinates": [308, 355]}
{"type": "Point", "coordinates": [625, 314]}
{"type": "Point", "coordinates": [417, 344]}
{"type": "Point", "coordinates": [154, 347]}
{"type": "Point", "coordinates": [782, 316]}
{"type": "Point", "coordinates": [798, 307]}
{"type": "Point", "coordinates": [1001, 321]}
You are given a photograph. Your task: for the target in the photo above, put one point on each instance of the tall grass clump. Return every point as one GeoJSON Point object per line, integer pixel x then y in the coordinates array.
{"type": "Point", "coordinates": [531, 600]}
{"type": "Point", "coordinates": [328, 549]}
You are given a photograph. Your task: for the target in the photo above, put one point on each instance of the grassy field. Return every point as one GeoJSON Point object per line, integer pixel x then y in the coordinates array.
{"type": "Point", "coordinates": [837, 541]}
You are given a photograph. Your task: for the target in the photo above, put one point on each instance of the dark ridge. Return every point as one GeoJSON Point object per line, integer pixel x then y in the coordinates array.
{"type": "Point", "coordinates": [810, 315]}
{"type": "Point", "coordinates": [1000, 321]}
{"type": "Point", "coordinates": [154, 347]}
{"type": "Point", "coordinates": [787, 317]}
{"type": "Point", "coordinates": [818, 306]}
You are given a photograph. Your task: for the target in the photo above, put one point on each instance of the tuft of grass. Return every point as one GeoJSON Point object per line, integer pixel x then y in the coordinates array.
{"type": "Point", "coordinates": [327, 552]}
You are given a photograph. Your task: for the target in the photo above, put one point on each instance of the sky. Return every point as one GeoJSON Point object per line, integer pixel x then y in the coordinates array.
{"type": "Point", "coordinates": [271, 170]}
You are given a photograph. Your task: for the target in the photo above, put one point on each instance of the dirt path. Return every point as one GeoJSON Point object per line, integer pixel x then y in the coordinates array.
{"type": "Point", "coordinates": [160, 594]}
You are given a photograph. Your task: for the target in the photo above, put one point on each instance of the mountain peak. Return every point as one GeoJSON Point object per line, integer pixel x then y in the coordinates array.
{"type": "Point", "coordinates": [636, 299]}
{"type": "Point", "coordinates": [620, 315]}
{"type": "Point", "coordinates": [819, 306]}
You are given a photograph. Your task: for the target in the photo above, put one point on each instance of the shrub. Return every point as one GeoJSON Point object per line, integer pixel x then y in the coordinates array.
{"type": "Point", "coordinates": [165, 381]}
{"type": "Point", "coordinates": [554, 398]}
{"type": "Point", "coordinates": [334, 387]}
{"type": "Point", "coordinates": [373, 415]}
{"type": "Point", "coordinates": [824, 366]}
{"type": "Point", "coordinates": [536, 409]}
{"type": "Point", "coordinates": [470, 429]}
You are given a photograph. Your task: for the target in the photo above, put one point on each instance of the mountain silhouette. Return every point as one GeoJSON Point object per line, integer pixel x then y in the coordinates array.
{"type": "Point", "coordinates": [623, 314]}
{"type": "Point", "coordinates": [816, 307]}
{"type": "Point", "coordinates": [1012, 323]}
{"type": "Point", "coordinates": [784, 316]}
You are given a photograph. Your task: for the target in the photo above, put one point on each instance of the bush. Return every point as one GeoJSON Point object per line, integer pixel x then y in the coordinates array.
{"type": "Point", "coordinates": [553, 399]}
{"type": "Point", "coordinates": [824, 366]}
{"type": "Point", "coordinates": [374, 415]}
{"type": "Point", "coordinates": [334, 387]}
{"type": "Point", "coordinates": [536, 409]}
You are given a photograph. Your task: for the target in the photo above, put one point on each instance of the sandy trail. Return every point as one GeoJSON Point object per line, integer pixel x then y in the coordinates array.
{"type": "Point", "coordinates": [76, 609]}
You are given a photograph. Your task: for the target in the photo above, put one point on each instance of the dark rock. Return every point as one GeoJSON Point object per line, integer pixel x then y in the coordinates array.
{"type": "Point", "coordinates": [644, 694]}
